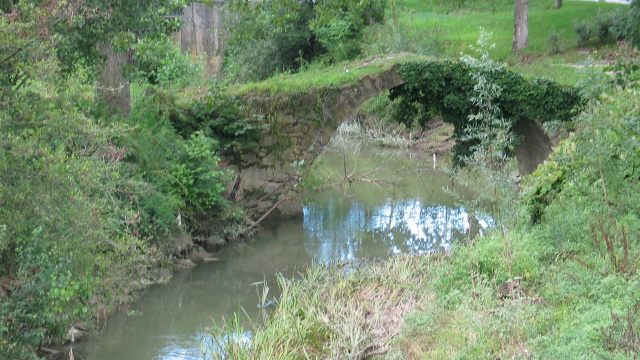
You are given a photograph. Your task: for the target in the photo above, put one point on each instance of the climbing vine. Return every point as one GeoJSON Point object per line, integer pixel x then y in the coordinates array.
{"type": "Point", "coordinates": [445, 88]}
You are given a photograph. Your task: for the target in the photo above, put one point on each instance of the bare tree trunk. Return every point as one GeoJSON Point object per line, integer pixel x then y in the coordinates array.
{"type": "Point", "coordinates": [520, 25]}
{"type": "Point", "coordinates": [112, 88]}
{"type": "Point", "coordinates": [203, 34]}
{"type": "Point", "coordinates": [557, 4]}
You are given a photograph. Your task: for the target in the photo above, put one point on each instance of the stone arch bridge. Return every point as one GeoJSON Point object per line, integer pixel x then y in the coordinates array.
{"type": "Point", "coordinates": [301, 124]}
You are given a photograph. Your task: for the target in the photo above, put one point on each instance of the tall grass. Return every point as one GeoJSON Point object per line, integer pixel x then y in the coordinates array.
{"type": "Point", "coordinates": [349, 311]}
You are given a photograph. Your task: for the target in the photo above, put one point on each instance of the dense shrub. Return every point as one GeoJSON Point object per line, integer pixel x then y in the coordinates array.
{"type": "Point", "coordinates": [222, 118]}
{"type": "Point", "coordinates": [178, 146]}
{"type": "Point", "coordinates": [159, 61]}
{"type": "Point", "coordinates": [585, 31]}
{"type": "Point", "coordinates": [259, 49]}
{"type": "Point", "coordinates": [632, 29]}
{"type": "Point", "coordinates": [196, 176]}
{"type": "Point", "coordinates": [273, 37]}
{"type": "Point", "coordinates": [611, 26]}
{"type": "Point", "coordinates": [555, 38]}
{"type": "Point", "coordinates": [70, 239]}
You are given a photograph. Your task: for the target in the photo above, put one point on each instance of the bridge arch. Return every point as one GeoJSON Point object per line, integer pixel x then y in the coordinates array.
{"type": "Point", "coordinates": [301, 124]}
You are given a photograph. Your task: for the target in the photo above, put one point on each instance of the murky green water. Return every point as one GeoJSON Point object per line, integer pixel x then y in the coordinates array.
{"type": "Point", "coordinates": [371, 219]}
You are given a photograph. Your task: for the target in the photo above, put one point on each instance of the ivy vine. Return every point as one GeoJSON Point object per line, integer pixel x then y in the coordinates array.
{"type": "Point", "coordinates": [445, 88]}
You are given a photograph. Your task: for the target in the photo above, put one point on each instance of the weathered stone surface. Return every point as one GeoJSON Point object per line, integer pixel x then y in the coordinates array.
{"type": "Point", "coordinates": [250, 158]}
{"type": "Point", "coordinates": [269, 160]}
{"type": "Point", "coordinates": [290, 155]}
{"type": "Point", "coordinates": [267, 140]}
{"type": "Point", "coordinates": [286, 120]}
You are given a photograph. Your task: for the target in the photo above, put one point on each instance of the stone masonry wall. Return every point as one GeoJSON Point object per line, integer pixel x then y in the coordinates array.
{"type": "Point", "coordinates": [301, 125]}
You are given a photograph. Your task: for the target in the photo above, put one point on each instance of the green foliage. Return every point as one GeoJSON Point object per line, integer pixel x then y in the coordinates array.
{"type": "Point", "coordinates": [96, 21]}
{"type": "Point", "coordinates": [27, 44]}
{"type": "Point", "coordinates": [447, 6]}
{"type": "Point", "coordinates": [70, 239]}
{"type": "Point", "coordinates": [88, 204]}
{"type": "Point", "coordinates": [625, 68]}
{"type": "Point", "coordinates": [604, 144]}
{"type": "Point", "coordinates": [339, 39]}
{"type": "Point", "coordinates": [223, 118]}
{"type": "Point", "coordinates": [284, 35]}
{"type": "Point", "coordinates": [398, 37]}
{"type": "Point", "coordinates": [196, 175]}
{"type": "Point", "coordinates": [585, 200]}
{"type": "Point", "coordinates": [543, 187]}
{"type": "Point", "coordinates": [330, 313]}
{"type": "Point", "coordinates": [179, 152]}
{"type": "Point", "coordinates": [585, 31]}
{"type": "Point", "coordinates": [607, 26]}
{"type": "Point", "coordinates": [159, 61]}
{"type": "Point", "coordinates": [632, 29]}
{"type": "Point", "coordinates": [446, 88]}
{"type": "Point", "coordinates": [603, 25]}
{"type": "Point", "coordinates": [265, 42]}
{"type": "Point", "coordinates": [555, 39]}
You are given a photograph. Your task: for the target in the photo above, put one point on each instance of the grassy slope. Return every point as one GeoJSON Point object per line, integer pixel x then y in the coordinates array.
{"type": "Point", "coordinates": [462, 28]}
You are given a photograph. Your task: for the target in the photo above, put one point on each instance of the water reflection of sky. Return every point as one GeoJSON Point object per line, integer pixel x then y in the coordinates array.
{"type": "Point", "coordinates": [333, 233]}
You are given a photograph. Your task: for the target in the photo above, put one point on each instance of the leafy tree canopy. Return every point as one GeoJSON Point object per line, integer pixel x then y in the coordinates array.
{"type": "Point", "coordinates": [280, 35]}
{"type": "Point", "coordinates": [34, 31]}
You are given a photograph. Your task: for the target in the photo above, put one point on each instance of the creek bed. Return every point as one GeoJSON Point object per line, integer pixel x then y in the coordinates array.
{"type": "Point", "coordinates": [372, 220]}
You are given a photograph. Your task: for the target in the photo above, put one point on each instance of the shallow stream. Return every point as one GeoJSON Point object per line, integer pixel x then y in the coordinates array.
{"type": "Point", "coordinates": [370, 219]}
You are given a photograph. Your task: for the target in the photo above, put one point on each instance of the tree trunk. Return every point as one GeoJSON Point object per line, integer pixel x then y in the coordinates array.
{"type": "Point", "coordinates": [112, 88]}
{"type": "Point", "coordinates": [557, 4]}
{"type": "Point", "coordinates": [203, 35]}
{"type": "Point", "coordinates": [520, 25]}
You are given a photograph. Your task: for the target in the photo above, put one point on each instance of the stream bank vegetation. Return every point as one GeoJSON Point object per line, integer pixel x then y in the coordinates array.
{"type": "Point", "coordinates": [94, 204]}
{"type": "Point", "coordinates": [556, 278]}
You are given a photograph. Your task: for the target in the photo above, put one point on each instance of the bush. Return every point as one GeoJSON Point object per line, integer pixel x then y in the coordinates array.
{"type": "Point", "coordinates": [586, 195]}
{"type": "Point", "coordinates": [269, 38]}
{"type": "Point", "coordinates": [395, 38]}
{"type": "Point", "coordinates": [554, 42]}
{"type": "Point", "coordinates": [196, 175]}
{"type": "Point", "coordinates": [222, 118]}
{"type": "Point", "coordinates": [585, 31]}
{"type": "Point", "coordinates": [632, 29]}
{"type": "Point", "coordinates": [603, 24]}
{"type": "Point", "coordinates": [159, 61]}
{"type": "Point", "coordinates": [69, 240]}
{"type": "Point", "coordinates": [259, 49]}
{"type": "Point", "coordinates": [180, 153]}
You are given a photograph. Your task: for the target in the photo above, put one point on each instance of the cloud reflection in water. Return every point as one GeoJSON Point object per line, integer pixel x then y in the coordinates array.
{"type": "Point", "coordinates": [335, 233]}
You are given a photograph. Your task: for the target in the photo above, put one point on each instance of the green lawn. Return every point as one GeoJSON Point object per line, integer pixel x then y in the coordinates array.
{"type": "Point", "coordinates": [463, 26]}
{"type": "Point", "coordinates": [462, 29]}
